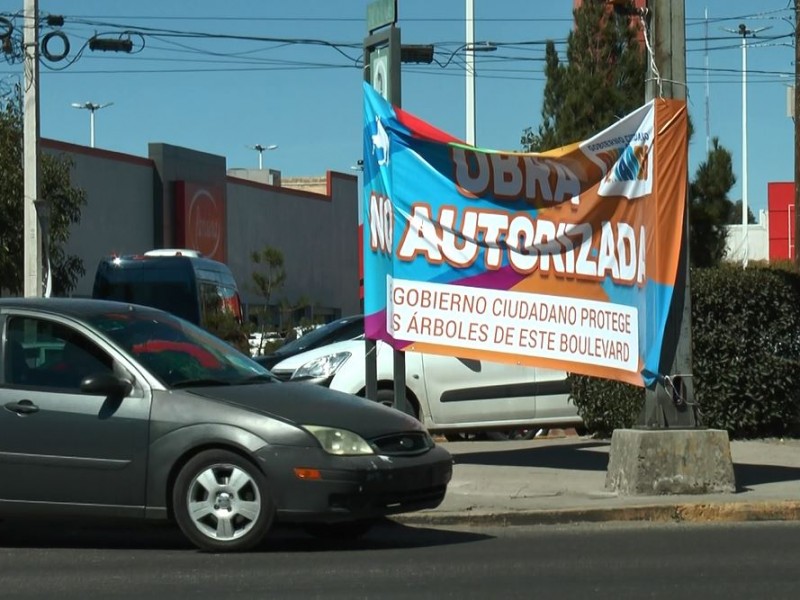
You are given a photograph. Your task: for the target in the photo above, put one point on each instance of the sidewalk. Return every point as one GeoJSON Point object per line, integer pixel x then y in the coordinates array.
{"type": "Point", "coordinates": [563, 481]}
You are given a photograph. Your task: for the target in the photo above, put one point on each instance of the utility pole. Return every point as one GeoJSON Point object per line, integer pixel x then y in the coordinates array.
{"type": "Point", "coordinates": [671, 404]}
{"type": "Point", "coordinates": [32, 233]}
{"type": "Point", "coordinates": [669, 451]}
{"type": "Point", "coordinates": [796, 131]}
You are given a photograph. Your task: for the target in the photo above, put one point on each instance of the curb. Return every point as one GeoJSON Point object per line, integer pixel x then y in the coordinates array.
{"type": "Point", "coordinates": [788, 510]}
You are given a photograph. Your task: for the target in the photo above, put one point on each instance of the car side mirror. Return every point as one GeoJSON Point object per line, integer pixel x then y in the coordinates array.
{"type": "Point", "coordinates": [106, 384]}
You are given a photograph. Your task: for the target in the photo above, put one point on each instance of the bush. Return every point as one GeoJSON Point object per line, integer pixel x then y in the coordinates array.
{"type": "Point", "coordinates": [746, 349]}
{"type": "Point", "coordinates": [745, 357]}
{"type": "Point", "coordinates": [606, 405]}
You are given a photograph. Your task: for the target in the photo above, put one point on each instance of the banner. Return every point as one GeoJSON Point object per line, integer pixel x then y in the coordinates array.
{"type": "Point", "coordinates": [564, 259]}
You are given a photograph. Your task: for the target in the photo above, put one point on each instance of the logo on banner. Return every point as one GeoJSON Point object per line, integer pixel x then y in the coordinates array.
{"type": "Point", "coordinates": [631, 173]}
{"type": "Point", "coordinates": [380, 143]}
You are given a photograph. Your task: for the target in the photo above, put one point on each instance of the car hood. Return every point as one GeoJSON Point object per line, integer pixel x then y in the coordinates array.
{"type": "Point", "coordinates": [308, 404]}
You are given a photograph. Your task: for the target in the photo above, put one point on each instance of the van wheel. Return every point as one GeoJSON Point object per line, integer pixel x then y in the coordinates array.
{"type": "Point", "coordinates": [386, 397]}
{"type": "Point", "coordinates": [222, 503]}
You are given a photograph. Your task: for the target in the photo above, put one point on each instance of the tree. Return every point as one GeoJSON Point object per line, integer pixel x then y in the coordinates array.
{"type": "Point", "coordinates": [736, 214]}
{"type": "Point", "coordinates": [602, 80]}
{"type": "Point", "coordinates": [271, 274]}
{"type": "Point", "coordinates": [709, 207]}
{"type": "Point", "coordinates": [66, 202]}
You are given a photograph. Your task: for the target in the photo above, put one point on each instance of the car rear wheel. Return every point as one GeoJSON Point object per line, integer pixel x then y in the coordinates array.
{"type": "Point", "coordinates": [222, 503]}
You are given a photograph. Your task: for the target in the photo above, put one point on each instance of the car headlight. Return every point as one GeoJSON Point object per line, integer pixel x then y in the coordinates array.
{"type": "Point", "coordinates": [322, 367]}
{"type": "Point", "coordinates": [340, 441]}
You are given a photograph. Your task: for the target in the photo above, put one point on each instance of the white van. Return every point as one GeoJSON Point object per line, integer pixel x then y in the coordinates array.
{"type": "Point", "coordinates": [449, 395]}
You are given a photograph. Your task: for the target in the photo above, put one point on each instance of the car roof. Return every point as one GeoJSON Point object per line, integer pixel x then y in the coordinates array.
{"type": "Point", "coordinates": [79, 308]}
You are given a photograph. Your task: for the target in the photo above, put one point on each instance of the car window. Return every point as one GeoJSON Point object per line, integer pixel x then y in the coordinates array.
{"type": "Point", "coordinates": [348, 332]}
{"type": "Point", "coordinates": [177, 352]}
{"type": "Point", "coordinates": [45, 354]}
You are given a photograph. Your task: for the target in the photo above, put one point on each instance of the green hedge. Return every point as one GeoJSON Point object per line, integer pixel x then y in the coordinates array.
{"type": "Point", "coordinates": [745, 354]}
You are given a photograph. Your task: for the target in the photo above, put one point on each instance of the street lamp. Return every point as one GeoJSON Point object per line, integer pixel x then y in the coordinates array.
{"type": "Point", "coordinates": [469, 18]}
{"type": "Point", "coordinates": [744, 32]}
{"type": "Point", "coordinates": [470, 47]}
{"type": "Point", "coordinates": [92, 108]}
{"type": "Point", "coordinates": [260, 149]}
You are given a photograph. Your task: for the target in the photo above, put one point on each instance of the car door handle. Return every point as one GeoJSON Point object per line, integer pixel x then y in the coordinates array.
{"type": "Point", "coordinates": [23, 407]}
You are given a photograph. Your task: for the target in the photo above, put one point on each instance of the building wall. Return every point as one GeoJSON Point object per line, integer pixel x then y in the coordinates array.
{"type": "Point", "coordinates": [316, 233]}
{"type": "Point", "coordinates": [782, 236]}
{"type": "Point", "coordinates": [131, 208]}
{"type": "Point", "coordinates": [118, 216]}
{"type": "Point", "coordinates": [757, 240]}
{"type": "Point", "coordinates": [317, 185]}
{"type": "Point", "coordinates": [172, 164]}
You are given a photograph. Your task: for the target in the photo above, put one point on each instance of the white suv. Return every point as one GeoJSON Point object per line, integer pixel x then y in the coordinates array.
{"type": "Point", "coordinates": [448, 394]}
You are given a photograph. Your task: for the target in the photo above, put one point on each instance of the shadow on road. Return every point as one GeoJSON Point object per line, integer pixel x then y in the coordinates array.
{"type": "Point", "coordinates": [581, 457]}
{"type": "Point", "coordinates": [389, 535]}
{"type": "Point", "coordinates": [578, 457]}
{"type": "Point", "coordinates": [748, 475]}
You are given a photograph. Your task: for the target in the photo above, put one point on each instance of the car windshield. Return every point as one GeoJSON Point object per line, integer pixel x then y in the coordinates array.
{"type": "Point", "coordinates": [178, 353]}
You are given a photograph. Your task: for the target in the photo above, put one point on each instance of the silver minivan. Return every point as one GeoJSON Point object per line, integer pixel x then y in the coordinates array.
{"type": "Point", "coordinates": [449, 395]}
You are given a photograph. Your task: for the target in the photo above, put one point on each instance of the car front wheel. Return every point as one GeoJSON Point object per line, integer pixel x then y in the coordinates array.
{"type": "Point", "coordinates": [222, 503]}
{"type": "Point", "coordinates": [386, 397]}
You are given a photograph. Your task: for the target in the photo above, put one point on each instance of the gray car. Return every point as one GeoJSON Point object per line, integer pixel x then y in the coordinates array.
{"type": "Point", "coordinates": [117, 410]}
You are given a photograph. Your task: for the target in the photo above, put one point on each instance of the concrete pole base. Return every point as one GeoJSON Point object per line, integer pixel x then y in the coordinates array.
{"type": "Point", "coordinates": [670, 461]}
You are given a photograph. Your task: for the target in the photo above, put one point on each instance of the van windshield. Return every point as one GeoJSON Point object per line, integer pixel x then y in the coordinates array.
{"type": "Point", "coordinates": [169, 289]}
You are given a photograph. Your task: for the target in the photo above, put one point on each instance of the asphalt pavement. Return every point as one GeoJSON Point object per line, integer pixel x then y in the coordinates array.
{"type": "Point", "coordinates": [561, 479]}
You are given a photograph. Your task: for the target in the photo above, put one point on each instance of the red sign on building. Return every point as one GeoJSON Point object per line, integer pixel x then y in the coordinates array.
{"type": "Point", "coordinates": [200, 219]}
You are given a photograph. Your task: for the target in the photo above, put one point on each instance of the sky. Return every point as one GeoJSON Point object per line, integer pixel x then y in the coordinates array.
{"type": "Point", "coordinates": [192, 80]}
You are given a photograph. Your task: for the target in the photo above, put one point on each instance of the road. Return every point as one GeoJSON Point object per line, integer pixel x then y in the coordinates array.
{"type": "Point", "coordinates": [731, 561]}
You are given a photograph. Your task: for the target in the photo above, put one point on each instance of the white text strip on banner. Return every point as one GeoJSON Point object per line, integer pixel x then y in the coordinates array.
{"type": "Point", "coordinates": [520, 323]}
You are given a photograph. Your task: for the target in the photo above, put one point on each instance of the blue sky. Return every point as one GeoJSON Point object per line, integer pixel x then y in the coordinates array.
{"type": "Point", "coordinates": [221, 95]}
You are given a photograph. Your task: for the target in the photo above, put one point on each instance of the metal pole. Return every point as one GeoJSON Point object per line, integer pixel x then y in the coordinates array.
{"type": "Point", "coordinates": [744, 31]}
{"type": "Point", "coordinates": [260, 162]}
{"type": "Point", "coordinates": [470, 70]}
{"type": "Point", "coordinates": [91, 127]}
{"type": "Point", "coordinates": [32, 236]}
{"type": "Point", "coordinates": [708, 116]}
